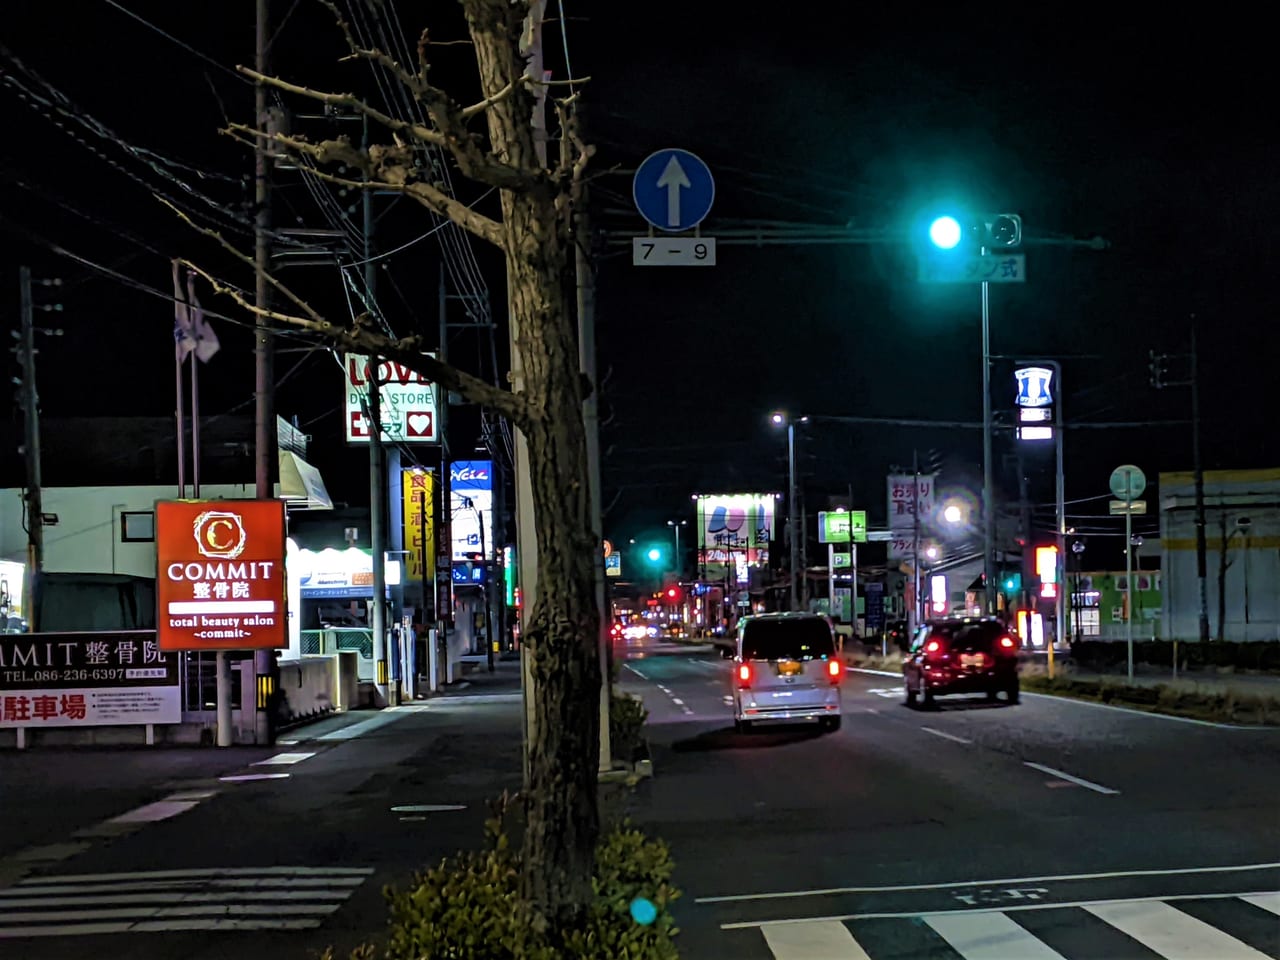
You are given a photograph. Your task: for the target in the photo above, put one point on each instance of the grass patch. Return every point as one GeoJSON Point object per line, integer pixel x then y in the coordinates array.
{"type": "Point", "coordinates": [1183, 699]}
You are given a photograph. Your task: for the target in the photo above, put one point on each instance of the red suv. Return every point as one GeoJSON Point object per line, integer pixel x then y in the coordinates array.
{"type": "Point", "coordinates": [961, 655]}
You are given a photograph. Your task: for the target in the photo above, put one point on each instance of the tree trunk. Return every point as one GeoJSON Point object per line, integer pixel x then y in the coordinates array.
{"type": "Point", "coordinates": [561, 630]}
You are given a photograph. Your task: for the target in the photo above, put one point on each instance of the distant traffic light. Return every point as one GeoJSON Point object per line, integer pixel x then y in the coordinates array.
{"type": "Point", "coordinates": [993, 231]}
{"type": "Point", "coordinates": [654, 555]}
{"type": "Point", "coordinates": [1003, 230]}
{"type": "Point", "coordinates": [1159, 367]}
{"type": "Point", "coordinates": [674, 594]}
{"type": "Point", "coordinates": [945, 232]}
{"type": "Point", "coordinates": [1013, 583]}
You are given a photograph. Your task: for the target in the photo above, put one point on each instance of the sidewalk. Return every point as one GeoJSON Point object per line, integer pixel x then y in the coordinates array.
{"type": "Point", "coordinates": [477, 681]}
{"type": "Point", "coordinates": [1202, 681]}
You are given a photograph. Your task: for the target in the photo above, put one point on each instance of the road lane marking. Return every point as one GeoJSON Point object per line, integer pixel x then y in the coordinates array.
{"type": "Point", "coordinates": [1017, 908]}
{"type": "Point", "coordinates": [1078, 781]}
{"type": "Point", "coordinates": [249, 777]}
{"type": "Point", "coordinates": [813, 941]}
{"type": "Point", "coordinates": [945, 736]}
{"type": "Point", "coordinates": [427, 807]}
{"type": "Point", "coordinates": [954, 884]}
{"type": "Point", "coordinates": [1267, 901]}
{"type": "Point", "coordinates": [889, 693]}
{"type": "Point", "coordinates": [1171, 933]}
{"type": "Point", "coordinates": [877, 673]}
{"type": "Point", "coordinates": [1152, 714]}
{"type": "Point", "coordinates": [283, 759]}
{"type": "Point", "coordinates": [990, 936]}
{"type": "Point", "coordinates": [635, 671]}
{"type": "Point", "coordinates": [155, 812]}
{"type": "Point", "coordinates": [390, 715]}
{"type": "Point", "coordinates": [216, 899]}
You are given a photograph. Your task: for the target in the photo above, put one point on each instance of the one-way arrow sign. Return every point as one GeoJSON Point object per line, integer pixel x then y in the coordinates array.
{"type": "Point", "coordinates": [673, 190]}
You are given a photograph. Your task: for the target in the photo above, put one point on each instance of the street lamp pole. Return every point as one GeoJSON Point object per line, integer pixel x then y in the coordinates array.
{"type": "Point", "coordinates": [791, 515]}
{"type": "Point", "coordinates": [988, 485]}
{"type": "Point", "coordinates": [679, 558]}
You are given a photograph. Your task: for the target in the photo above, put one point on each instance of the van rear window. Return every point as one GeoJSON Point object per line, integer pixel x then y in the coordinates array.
{"type": "Point", "coordinates": [798, 639]}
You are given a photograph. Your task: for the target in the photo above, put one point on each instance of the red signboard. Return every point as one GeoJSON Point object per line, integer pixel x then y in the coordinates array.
{"type": "Point", "coordinates": [220, 579]}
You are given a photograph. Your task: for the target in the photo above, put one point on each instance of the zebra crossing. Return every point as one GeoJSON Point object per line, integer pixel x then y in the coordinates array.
{"type": "Point", "coordinates": [1243, 926]}
{"type": "Point", "coordinates": [159, 901]}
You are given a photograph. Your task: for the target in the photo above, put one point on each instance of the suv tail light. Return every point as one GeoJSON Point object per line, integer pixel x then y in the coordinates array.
{"type": "Point", "coordinates": [1008, 644]}
{"type": "Point", "coordinates": [834, 669]}
{"type": "Point", "coordinates": [744, 676]}
{"type": "Point", "coordinates": [935, 650]}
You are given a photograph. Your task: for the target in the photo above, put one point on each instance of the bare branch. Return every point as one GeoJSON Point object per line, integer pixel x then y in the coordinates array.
{"type": "Point", "coordinates": [387, 168]}
{"type": "Point", "coordinates": [415, 130]}
{"type": "Point", "coordinates": [243, 258]}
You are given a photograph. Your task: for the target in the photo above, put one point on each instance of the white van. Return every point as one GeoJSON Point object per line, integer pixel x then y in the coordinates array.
{"type": "Point", "coordinates": [785, 668]}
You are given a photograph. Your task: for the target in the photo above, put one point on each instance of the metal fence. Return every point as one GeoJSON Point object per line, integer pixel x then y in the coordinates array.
{"type": "Point", "coordinates": [338, 639]}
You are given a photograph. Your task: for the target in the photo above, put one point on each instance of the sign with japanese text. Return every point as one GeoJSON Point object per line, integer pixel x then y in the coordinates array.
{"type": "Point", "coordinates": [733, 534]}
{"type": "Point", "coordinates": [87, 679]}
{"type": "Point", "coordinates": [905, 499]}
{"type": "Point", "coordinates": [408, 401]}
{"type": "Point", "coordinates": [220, 579]}
{"type": "Point", "coordinates": [418, 487]}
{"type": "Point", "coordinates": [836, 526]}
{"type": "Point", "coordinates": [973, 268]}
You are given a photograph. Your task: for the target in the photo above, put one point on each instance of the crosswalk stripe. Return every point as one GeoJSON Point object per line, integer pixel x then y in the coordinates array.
{"type": "Point", "coordinates": [823, 940]}
{"type": "Point", "coordinates": [205, 899]}
{"type": "Point", "coordinates": [1267, 901]}
{"type": "Point", "coordinates": [1173, 934]}
{"type": "Point", "coordinates": [989, 936]}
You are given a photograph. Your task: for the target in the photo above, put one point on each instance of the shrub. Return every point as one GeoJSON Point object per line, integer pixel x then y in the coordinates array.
{"type": "Point", "coordinates": [627, 716]}
{"type": "Point", "coordinates": [469, 907]}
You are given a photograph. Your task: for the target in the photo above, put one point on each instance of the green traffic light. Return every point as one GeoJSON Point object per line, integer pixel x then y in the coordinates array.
{"type": "Point", "coordinates": [654, 555]}
{"type": "Point", "coordinates": [944, 232]}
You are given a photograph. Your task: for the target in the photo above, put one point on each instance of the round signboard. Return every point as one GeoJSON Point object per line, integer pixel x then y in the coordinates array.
{"type": "Point", "coordinates": [1128, 482]}
{"type": "Point", "coordinates": [608, 549]}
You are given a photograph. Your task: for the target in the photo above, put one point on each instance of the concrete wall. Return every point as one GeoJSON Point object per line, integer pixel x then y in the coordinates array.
{"type": "Point", "coordinates": [316, 685]}
{"type": "Point", "coordinates": [87, 536]}
{"type": "Point", "coordinates": [1251, 586]}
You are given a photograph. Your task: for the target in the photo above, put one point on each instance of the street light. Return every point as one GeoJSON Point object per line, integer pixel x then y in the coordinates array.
{"type": "Point", "coordinates": [1000, 230]}
{"type": "Point", "coordinates": [952, 514]}
{"type": "Point", "coordinates": [778, 419]}
{"type": "Point", "coordinates": [676, 525]}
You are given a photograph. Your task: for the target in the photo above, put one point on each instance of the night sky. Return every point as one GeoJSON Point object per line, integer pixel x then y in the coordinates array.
{"type": "Point", "coordinates": [1156, 135]}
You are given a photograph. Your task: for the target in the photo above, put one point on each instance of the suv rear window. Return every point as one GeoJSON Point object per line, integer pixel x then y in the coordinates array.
{"type": "Point", "coordinates": [966, 637]}
{"type": "Point", "coordinates": [799, 639]}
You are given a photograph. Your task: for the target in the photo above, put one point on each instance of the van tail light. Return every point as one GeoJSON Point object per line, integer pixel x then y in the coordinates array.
{"type": "Point", "coordinates": [834, 670]}
{"type": "Point", "coordinates": [934, 651]}
{"type": "Point", "coordinates": [744, 676]}
{"type": "Point", "coordinates": [1008, 644]}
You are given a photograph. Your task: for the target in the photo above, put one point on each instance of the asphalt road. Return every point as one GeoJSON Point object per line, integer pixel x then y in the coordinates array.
{"type": "Point", "coordinates": [1049, 829]}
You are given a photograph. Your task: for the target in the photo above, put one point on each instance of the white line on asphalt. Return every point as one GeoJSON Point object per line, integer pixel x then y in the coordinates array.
{"type": "Point", "coordinates": [945, 736]}
{"type": "Point", "coordinates": [1171, 933]}
{"type": "Point", "coordinates": [878, 673]}
{"type": "Point", "coordinates": [194, 872]}
{"type": "Point", "coordinates": [177, 892]}
{"type": "Point", "coordinates": [390, 715]}
{"type": "Point", "coordinates": [636, 672]}
{"type": "Point", "coordinates": [281, 759]}
{"type": "Point", "coordinates": [454, 700]}
{"type": "Point", "coordinates": [159, 926]}
{"type": "Point", "coordinates": [813, 941]}
{"type": "Point", "coordinates": [1078, 781]}
{"type": "Point", "coordinates": [287, 743]}
{"type": "Point", "coordinates": [1267, 901]}
{"type": "Point", "coordinates": [249, 777]}
{"type": "Point", "coordinates": [1148, 713]}
{"type": "Point", "coordinates": [427, 807]}
{"type": "Point", "coordinates": [677, 701]}
{"type": "Point", "coordinates": [154, 812]}
{"type": "Point", "coordinates": [991, 936]}
{"type": "Point", "coordinates": [192, 795]}
{"type": "Point", "coordinates": [953, 884]}
{"type": "Point", "coordinates": [1016, 908]}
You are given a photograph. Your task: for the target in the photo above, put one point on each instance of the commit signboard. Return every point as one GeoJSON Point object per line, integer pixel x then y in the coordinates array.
{"type": "Point", "coordinates": [87, 680]}
{"type": "Point", "coordinates": [220, 578]}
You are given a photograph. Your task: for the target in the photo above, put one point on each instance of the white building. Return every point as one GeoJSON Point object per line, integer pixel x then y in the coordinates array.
{"type": "Point", "coordinates": [1242, 556]}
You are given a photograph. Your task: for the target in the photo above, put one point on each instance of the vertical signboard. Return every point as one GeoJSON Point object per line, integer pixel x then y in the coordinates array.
{"type": "Point", "coordinates": [471, 491]}
{"type": "Point", "coordinates": [87, 680]}
{"type": "Point", "coordinates": [734, 531]}
{"type": "Point", "coordinates": [220, 578]}
{"type": "Point", "coordinates": [904, 499]}
{"type": "Point", "coordinates": [1034, 402]}
{"type": "Point", "coordinates": [418, 490]}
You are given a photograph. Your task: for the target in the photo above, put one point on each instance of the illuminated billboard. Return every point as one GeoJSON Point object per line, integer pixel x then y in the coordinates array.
{"type": "Point", "coordinates": [734, 531]}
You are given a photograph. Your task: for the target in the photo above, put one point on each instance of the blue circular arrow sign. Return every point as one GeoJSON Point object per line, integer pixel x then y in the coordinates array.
{"type": "Point", "coordinates": [673, 190]}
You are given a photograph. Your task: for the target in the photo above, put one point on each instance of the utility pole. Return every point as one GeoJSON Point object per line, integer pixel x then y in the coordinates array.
{"type": "Point", "coordinates": [918, 604]}
{"type": "Point", "coordinates": [791, 516]}
{"type": "Point", "coordinates": [30, 400]}
{"type": "Point", "coordinates": [264, 375]}
{"type": "Point", "coordinates": [586, 295]}
{"type": "Point", "coordinates": [1159, 368]}
{"type": "Point", "coordinates": [988, 481]}
{"type": "Point", "coordinates": [444, 520]}
{"type": "Point", "coordinates": [377, 472]}
{"type": "Point", "coordinates": [1198, 466]}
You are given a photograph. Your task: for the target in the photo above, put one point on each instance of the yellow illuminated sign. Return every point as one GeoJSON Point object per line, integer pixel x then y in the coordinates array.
{"type": "Point", "coordinates": [418, 488]}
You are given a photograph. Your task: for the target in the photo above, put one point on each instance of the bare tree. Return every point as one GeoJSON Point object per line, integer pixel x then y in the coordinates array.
{"type": "Point", "coordinates": [537, 232]}
{"type": "Point", "coordinates": [1224, 564]}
